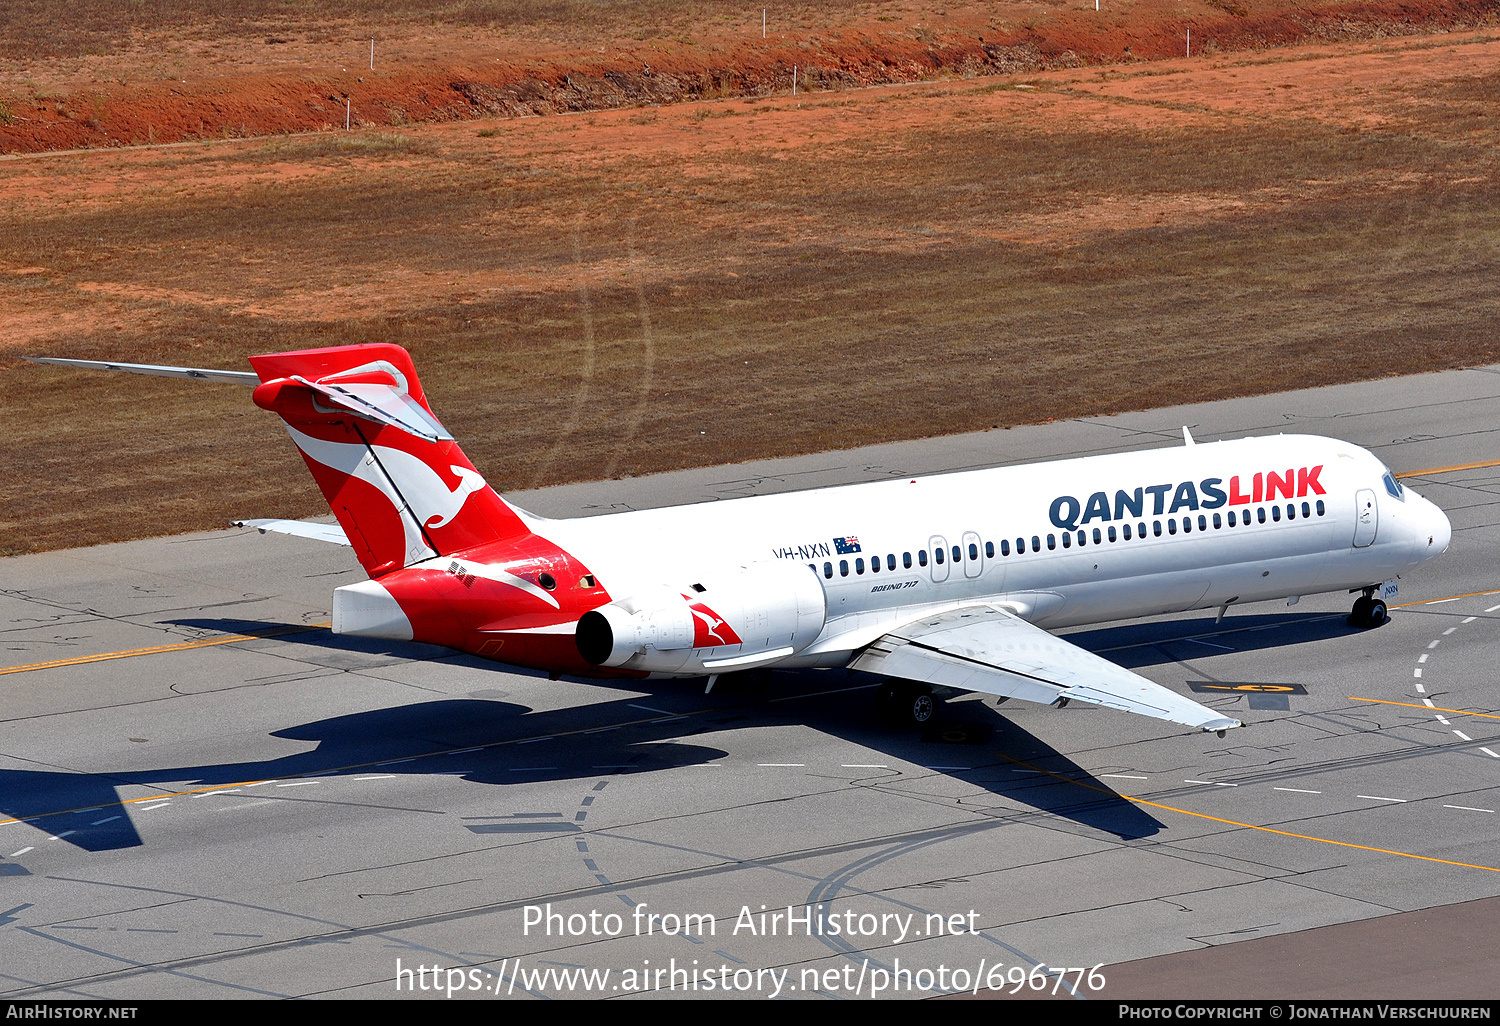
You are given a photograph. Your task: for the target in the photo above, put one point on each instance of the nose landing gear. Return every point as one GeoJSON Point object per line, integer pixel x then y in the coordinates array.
{"type": "Point", "coordinates": [1368, 611]}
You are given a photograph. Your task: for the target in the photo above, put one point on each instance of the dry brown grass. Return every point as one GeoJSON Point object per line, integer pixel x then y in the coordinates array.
{"type": "Point", "coordinates": [682, 298]}
{"type": "Point", "coordinates": [65, 28]}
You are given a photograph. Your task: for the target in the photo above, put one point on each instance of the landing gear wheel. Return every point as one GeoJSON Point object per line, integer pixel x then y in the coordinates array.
{"type": "Point", "coordinates": [906, 705]}
{"type": "Point", "coordinates": [1367, 612]}
{"type": "Point", "coordinates": [919, 706]}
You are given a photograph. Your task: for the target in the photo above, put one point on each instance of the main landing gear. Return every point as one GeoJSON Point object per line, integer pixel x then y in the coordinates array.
{"type": "Point", "coordinates": [905, 704]}
{"type": "Point", "coordinates": [1368, 610]}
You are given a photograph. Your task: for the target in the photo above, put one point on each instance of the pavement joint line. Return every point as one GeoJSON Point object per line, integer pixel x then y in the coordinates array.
{"type": "Point", "coordinates": [356, 767]}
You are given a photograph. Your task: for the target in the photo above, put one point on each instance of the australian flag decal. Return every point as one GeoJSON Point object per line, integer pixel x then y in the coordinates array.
{"type": "Point", "coordinates": [844, 546]}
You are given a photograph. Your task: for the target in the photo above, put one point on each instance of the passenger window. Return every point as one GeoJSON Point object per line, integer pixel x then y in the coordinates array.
{"type": "Point", "coordinates": [1067, 540]}
{"type": "Point", "coordinates": [906, 560]}
{"type": "Point", "coordinates": [1291, 511]}
{"type": "Point", "coordinates": [1140, 530]}
{"type": "Point", "coordinates": [1172, 525]}
{"type": "Point", "coordinates": [957, 554]}
{"type": "Point", "coordinates": [1276, 513]}
{"type": "Point", "coordinates": [843, 568]}
{"type": "Point", "coordinates": [1083, 538]}
{"type": "Point", "coordinates": [1112, 532]}
{"type": "Point", "coordinates": [937, 554]}
{"type": "Point", "coordinates": [1005, 546]}
{"type": "Point", "coordinates": [859, 565]}
{"type": "Point", "coordinates": [1260, 514]}
{"type": "Point", "coordinates": [921, 557]}
{"type": "Point", "coordinates": [1187, 525]}
{"type": "Point", "coordinates": [1320, 507]}
{"type": "Point", "coordinates": [1217, 524]}
{"type": "Point", "coordinates": [1156, 528]}
{"type": "Point", "coordinates": [1036, 543]}
{"type": "Point", "coordinates": [1052, 541]}
{"type": "Point", "coordinates": [1231, 519]}
{"type": "Point", "coordinates": [1126, 529]}
{"type": "Point", "coordinates": [890, 561]}
{"type": "Point", "coordinates": [874, 564]}
{"type": "Point", "coordinates": [974, 551]}
{"type": "Point", "coordinates": [989, 550]}
{"type": "Point", "coordinates": [828, 570]}
{"type": "Point", "coordinates": [1306, 511]}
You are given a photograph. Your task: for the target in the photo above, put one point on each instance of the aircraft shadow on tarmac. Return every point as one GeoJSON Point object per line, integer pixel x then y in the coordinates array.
{"type": "Point", "coordinates": [476, 739]}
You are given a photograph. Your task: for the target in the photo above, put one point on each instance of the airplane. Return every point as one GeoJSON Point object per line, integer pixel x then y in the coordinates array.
{"type": "Point", "coordinates": [951, 582]}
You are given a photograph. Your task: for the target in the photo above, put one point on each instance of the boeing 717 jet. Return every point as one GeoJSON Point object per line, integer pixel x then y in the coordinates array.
{"type": "Point", "coordinates": [952, 581]}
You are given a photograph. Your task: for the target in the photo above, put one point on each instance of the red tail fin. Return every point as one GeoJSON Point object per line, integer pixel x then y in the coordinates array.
{"type": "Point", "coordinates": [400, 497]}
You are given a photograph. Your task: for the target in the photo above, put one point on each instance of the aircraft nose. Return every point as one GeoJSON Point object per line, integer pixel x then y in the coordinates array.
{"type": "Point", "coordinates": [1437, 534]}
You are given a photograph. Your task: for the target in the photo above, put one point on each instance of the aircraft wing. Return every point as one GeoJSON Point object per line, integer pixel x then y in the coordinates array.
{"type": "Point", "coordinates": [985, 649]}
{"type": "Point", "coordinates": [332, 533]}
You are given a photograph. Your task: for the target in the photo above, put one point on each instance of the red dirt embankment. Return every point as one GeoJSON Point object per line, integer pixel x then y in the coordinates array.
{"type": "Point", "coordinates": [157, 92]}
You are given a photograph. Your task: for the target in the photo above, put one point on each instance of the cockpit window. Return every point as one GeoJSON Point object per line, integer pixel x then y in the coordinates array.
{"type": "Point", "coordinates": [1396, 488]}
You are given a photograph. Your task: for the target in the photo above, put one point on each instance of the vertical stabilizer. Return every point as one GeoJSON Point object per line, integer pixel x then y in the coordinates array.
{"type": "Point", "coordinates": [398, 483]}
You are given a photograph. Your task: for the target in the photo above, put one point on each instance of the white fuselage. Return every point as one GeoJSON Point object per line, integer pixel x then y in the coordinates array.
{"type": "Point", "coordinates": [1062, 543]}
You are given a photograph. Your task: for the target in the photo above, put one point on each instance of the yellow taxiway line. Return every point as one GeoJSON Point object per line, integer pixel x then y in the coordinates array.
{"type": "Point", "coordinates": [1450, 470]}
{"type": "Point", "coordinates": [1424, 708]}
{"type": "Point", "coordinates": [181, 646]}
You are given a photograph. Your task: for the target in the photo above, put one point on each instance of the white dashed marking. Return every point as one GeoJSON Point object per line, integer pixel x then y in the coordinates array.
{"type": "Point", "coordinates": [159, 805]}
{"type": "Point", "coordinates": [18, 854]}
{"type": "Point", "coordinates": [1417, 672]}
{"type": "Point", "coordinates": [781, 765]}
{"type": "Point", "coordinates": [98, 822]}
{"type": "Point", "coordinates": [1122, 776]}
{"type": "Point", "coordinates": [1468, 619]}
{"type": "Point", "coordinates": [1377, 798]}
{"type": "Point", "coordinates": [1434, 643]}
{"type": "Point", "coordinates": [1491, 754]}
{"type": "Point", "coordinates": [1462, 736]}
{"type": "Point", "coordinates": [1215, 783]}
{"type": "Point", "coordinates": [1422, 658]}
{"type": "Point", "coordinates": [1441, 719]}
{"type": "Point", "coordinates": [1449, 631]}
{"type": "Point", "coordinates": [378, 776]}
{"type": "Point", "coordinates": [1299, 790]}
{"type": "Point", "coordinates": [298, 783]}
{"type": "Point", "coordinates": [1468, 808]}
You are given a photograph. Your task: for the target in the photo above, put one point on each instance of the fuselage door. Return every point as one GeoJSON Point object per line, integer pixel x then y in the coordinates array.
{"type": "Point", "coordinates": [940, 555]}
{"type": "Point", "coordinates": [973, 555]}
{"type": "Point", "coordinates": [1366, 517]}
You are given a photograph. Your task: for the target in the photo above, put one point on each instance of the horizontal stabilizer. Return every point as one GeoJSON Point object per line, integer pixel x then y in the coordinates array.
{"type": "Point", "coordinates": [384, 404]}
{"type": "Point", "coordinates": [331, 533]}
{"type": "Point", "coordinates": [989, 650]}
{"type": "Point", "coordinates": [225, 377]}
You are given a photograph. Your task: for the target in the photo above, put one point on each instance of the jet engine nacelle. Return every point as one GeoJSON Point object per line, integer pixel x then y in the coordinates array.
{"type": "Point", "coordinates": [746, 617]}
